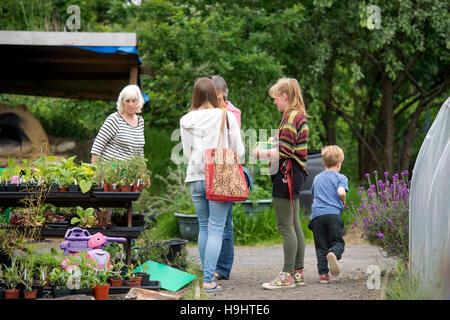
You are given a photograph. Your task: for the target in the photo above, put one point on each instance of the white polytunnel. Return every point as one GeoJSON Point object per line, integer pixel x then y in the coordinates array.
{"type": "Point", "coordinates": [429, 230]}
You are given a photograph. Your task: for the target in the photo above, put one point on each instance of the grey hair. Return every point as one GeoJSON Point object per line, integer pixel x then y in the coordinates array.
{"type": "Point", "coordinates": [130, 91]}
{"type": "Point", "coordinates": [221, 85]}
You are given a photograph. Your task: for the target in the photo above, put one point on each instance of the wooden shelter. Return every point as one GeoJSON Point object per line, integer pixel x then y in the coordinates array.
{"type": "Point", "coordinates": [84, 65]}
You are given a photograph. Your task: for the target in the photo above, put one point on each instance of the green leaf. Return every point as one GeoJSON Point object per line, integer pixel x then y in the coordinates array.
{"type": "Point", "coordinates": [85, 186]}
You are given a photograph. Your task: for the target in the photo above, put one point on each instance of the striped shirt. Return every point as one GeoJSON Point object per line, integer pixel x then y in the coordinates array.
{"type": "Point", "coordinates": [117, 139]}
{"type": "Point", "coordinates": [293, 138]}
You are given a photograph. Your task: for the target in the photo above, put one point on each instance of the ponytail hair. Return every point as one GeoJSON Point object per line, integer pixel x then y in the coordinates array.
{"type": "Point", "coordinates": [290, 87]}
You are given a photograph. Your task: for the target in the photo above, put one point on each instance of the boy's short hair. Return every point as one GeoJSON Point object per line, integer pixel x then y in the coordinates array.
{"type": "Point", "coordinates": [332, 155]}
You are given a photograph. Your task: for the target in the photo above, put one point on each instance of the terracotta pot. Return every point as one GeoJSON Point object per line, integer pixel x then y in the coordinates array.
{"type": "Point", "coordinates": [30, 294]}
{"type": "Point", "coordinates": [138, 279]}
{"type": "Point", "coordinates": [106, 187]}
{"type": "Point", "coordinates": [116, 282]}
{"type": "Point", "coordinates": [131, 283]}
{"type": "Point", "coordinates": [137, 188]}
{"type": "Point", "coordinates": [125, 188]}
{"type": "Point", "coordinates": [64, 189]}
{"type": "Point", "coordinates": [12, 293]}
{"type": "Point", "coordinates": [101, 292]}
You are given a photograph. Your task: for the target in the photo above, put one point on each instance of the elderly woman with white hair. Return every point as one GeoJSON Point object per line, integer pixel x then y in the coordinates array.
{"type": "Point", "coordinates": [122, 134]}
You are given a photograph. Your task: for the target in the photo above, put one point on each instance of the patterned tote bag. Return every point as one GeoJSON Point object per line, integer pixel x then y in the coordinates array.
{"type": "Point", "coordinates": [224, 176]}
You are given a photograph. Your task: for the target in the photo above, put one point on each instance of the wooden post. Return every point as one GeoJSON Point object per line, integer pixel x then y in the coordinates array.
{"type": "Point", "coordinates": [133, 74]}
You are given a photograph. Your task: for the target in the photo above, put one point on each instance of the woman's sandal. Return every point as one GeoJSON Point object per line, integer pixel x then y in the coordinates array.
{"type": "Point", "coordinates": [216, 288]}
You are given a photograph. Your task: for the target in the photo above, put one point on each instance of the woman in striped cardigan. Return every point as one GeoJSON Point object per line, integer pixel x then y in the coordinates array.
{"type": "Point", "coordinates": [122, 134]}
{"type": "Point", "coordinates": [288, 162]}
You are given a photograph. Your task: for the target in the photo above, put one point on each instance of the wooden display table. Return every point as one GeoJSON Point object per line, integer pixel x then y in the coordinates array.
{"type": "Point", "coordinates": [95, 199]}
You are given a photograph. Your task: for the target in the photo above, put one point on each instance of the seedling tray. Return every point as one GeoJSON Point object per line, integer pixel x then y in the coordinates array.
{"type": "Point", "coordinates": [116, 195]}
{"type": "Point", "coordinates": [153, 285]}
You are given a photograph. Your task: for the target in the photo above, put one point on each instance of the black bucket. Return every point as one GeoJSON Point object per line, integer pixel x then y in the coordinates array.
{"type": "Point", "coordinates": [175, 246]}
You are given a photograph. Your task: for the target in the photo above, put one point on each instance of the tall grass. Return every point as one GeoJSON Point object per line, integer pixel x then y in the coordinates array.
{"type": "Point", "coordinates": [405, 286]}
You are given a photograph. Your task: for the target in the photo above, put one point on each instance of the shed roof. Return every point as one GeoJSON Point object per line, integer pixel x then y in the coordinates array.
{"type": "Point", "coordinates": [84, 65]}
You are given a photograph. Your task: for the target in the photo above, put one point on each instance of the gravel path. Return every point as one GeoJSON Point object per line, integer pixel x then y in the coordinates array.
{"type": "Point", "coordinates": [255, 265]}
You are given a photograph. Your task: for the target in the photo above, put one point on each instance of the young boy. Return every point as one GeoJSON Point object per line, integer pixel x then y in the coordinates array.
{"type": "Point", "coordinates": [329, 189]}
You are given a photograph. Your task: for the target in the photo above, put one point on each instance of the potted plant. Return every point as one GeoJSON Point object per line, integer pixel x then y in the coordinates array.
{"type": "Point", "coordinates": [29, 292]}
{"type": "Point", "coordinates": [41, 282]}
{"type": "Point", "coordinates": [131, 279]}
{"type": "Point", "coordinates": [111, 176]}
{"type": "Point", "coordinates": [11, 175]}
{"type": "Point", "coordinates": [258, 200]}
{"type": "Point", "coordinates": [100, 283]}
{"type": "Point", "coordinates": [58, 280]}
{"type": "Point", "coordinates": [86, 218]}
{"type": "Point", "coordinates": [11, 278]}
{"type": "Point", "coordinates": [116, 278]}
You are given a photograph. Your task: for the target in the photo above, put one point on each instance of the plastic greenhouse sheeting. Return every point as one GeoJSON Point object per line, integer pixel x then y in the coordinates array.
{"type": "Point", "coordinates": [429, 230]}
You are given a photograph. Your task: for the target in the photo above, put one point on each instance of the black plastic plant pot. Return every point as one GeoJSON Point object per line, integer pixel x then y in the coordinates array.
{"type": "Point", "coordinates": [97, 189]}
{"type": "Point", "coordinates": [145, 278]}
{"type": "Point", "coordinates": [175, 246]}
{"type": "Point", "coordinates": [53, 187]}
{"type": "Point", "coordinates": [32, 187]}
{"type": "Point", "coordinates": [74, 188]}
{"type": "Point", "coordinates": [58, 293]}
{"type": "Point", "coordinates": [22, 187]}
{"type": "Point", "coordinates": [11, 187]}
{"type": "Point", "coordinates": [2, 187]}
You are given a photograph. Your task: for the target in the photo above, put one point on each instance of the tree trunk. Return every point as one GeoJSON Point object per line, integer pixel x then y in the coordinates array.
{"type": "Point", "coordinates": [329, 121]}
{"type": "Point", "coordinates": [388, 121]}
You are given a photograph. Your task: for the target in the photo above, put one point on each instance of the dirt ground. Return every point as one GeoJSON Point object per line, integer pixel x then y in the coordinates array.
{"type": "Point", "coordinates": [255, 265]}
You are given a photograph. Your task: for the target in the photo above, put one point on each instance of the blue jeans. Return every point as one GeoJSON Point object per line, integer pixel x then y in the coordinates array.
{"type": "Point", "coordinates": [226, 256]}
{"type": "Point", "coordinates": [212, 216]}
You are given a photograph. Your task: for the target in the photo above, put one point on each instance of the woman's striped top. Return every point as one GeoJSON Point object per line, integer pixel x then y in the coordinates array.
{"type": "Point", "coordinates": [117, 139]}
{"type": "Point", "coordinates": [293, 138]}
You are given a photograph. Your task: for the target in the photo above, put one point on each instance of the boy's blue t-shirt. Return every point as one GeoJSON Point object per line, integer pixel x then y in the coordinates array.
{"type": "Point", "coordinates": [324, 190]}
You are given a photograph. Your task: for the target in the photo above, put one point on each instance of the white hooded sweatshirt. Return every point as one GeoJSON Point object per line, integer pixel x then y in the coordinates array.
{"type": "Point", "coordinates": [200, 130]}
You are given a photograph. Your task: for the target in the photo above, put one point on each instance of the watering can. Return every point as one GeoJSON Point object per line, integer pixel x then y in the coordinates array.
{"type": "Point", "coordinates": [78, 239]}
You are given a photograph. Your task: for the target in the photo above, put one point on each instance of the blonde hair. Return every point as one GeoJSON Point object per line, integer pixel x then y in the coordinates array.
{"type": "Point", "coordinates": [332, 155]}
{"type": "Point", "coordinates": [290, 87]}
{"type": "Point", "coordinates": [130, 91]}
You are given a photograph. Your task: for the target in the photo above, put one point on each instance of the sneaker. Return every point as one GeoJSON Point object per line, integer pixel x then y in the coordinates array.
{"type": "Point", "coordinates": [324, 278]}
{"type": "Point", "coordinates": [332, 262]}
{"type": "Point", "coordinates": [284, 280]}
{"type": "Point", "coordinates": [299, 278]}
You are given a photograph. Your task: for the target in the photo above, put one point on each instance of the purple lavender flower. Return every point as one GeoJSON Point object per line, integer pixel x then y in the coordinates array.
{"type": "Point", "coordinates": [380, 235]}
{"type": "Point", "coordinates": [405, 173]}
{"type": "Point", "coordinates": [375, 171]}
{"type": "Point", "coordinates": [350, 202]}
{"type": "Point", "coordinates": [355, 224]}
{"type": "Point", "coordinates": [386, 174]}
{"type": "Point", "coordinates": [367, 175]}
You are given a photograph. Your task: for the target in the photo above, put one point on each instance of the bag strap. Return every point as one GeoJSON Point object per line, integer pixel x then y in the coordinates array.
{"type": "Point", "coordinates": [222, 129]}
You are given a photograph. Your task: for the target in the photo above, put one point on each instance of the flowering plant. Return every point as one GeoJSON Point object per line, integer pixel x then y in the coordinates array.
{"type": "Point", "coordinates": [383, 213]}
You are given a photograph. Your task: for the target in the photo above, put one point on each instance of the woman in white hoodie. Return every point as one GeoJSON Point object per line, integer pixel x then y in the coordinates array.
{"type": "Point", "coordinates": [200, 129]}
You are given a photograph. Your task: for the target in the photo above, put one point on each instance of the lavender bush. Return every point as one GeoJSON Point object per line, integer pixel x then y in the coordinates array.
{"type": "Point", "coordinates": [383, 213]}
